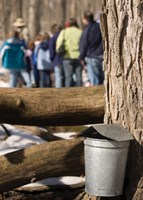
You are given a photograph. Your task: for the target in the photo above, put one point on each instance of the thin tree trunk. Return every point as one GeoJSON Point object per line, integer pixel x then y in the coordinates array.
{"type": "Point", "coordinates": [59, 158]}
{"type": "Point", "coordinates": [67, 106]}
{"type": "Point", "coordinates": [34, 7]}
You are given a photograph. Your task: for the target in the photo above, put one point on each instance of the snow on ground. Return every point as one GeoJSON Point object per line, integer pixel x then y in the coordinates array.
{"type": "Point", "coordinates": [3, 84]}
{"type": "Point", "coordinates": [17, 140]}
{"type": "Point", "coordinates": [3, 71]}
{"type": "Point", "coordinates": [3, 76]}
{"type": "Point", "coordinates": [56, 181]}
{"type": "Point", "coordinates": [66, 136]}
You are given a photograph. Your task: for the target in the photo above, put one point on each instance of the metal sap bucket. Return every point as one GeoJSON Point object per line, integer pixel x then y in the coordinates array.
{"type": "Point", "coordinates": [105, 164]}
{"type": "Point", "coordinates": [106, 149]}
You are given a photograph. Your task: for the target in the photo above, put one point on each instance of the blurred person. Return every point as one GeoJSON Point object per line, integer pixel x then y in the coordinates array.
{"type": "Point", "coordinates": [44, 64]}
{"type": "Point", "coordinates": [13, 59]}
{"type": "Point", "coordinates": [91, 50]}
{"type": "Point", "coordinates": [36, 73]}
{"type": "Point", "coordinates": [30, 62]}
{"type": "Point", "coordinates": [20, 26]}
{"type": "Point", "coordinates": [70, 36]}
{"type": "Point", "coordinates": [55, 58]}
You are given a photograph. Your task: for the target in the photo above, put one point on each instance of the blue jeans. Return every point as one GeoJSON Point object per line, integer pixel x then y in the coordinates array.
{"type": "Point", "coordinates": [94, 70]}
{"type": "Point", "coordinates": [72, 67]}
{"type": "Point", "coordinates": [16, 74]}
{"type": "Point", "coordinates": [36, 75]}
{"type": "Point", "coordinates": [45, 80]}
{"type": "Point", "coordinates": [59, 76]}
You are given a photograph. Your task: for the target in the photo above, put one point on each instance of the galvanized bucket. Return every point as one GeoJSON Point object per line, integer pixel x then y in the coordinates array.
{"type": "Point", "coordinates": [105, 165]}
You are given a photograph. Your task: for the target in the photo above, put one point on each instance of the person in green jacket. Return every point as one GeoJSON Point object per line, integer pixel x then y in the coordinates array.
{"type": "Point", "coordinates": [70, 37]}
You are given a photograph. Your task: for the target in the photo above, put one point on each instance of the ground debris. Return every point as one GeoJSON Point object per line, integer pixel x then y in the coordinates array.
{"type": "Point", "coordinates": [49, 195]}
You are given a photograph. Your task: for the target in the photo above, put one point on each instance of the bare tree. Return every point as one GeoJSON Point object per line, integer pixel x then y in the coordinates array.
{"type": "Point", "coordinates": [33, 18]}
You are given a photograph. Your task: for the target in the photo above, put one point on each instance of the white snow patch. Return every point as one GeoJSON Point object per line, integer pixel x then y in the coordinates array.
{"type": "Point", "coordinates": [66, 136]}
{"type": "Point", "coordinates": [65, 180]}
{"type": "Point", "coordinates": [4, 84]}
{"type": "Point", "coordinates": [19, 139]}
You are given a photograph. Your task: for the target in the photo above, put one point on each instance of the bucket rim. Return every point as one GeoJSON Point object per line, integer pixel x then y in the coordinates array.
{"type": "Point", "coordinates": [105, 143]}
{"type": "Point", "coordinates": [97, 139]}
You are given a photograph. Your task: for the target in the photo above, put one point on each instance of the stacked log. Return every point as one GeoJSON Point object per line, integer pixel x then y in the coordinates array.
{"type": "Point", "coordinates": [52, 107]}
{"type": "Point", "coordinates": [66, 106]}
{"type": "Point", "coordinates": [59, 158]}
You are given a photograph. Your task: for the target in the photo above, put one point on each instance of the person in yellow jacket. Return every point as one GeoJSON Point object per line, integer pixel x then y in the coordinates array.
{"type": "Point", "coordinates": [70, 37]}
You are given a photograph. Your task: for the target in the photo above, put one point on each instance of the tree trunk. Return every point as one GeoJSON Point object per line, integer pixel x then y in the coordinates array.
{"type": "Point", "coordinates": [122, 30]}
{"type": "Point", "coordinates": [34, 7]}
{"type": "Point", "coordinates": [9, 11]}
{"type": "Point", "coordinates": [40, 162]}
{"type": "Point", "coordinates": [67, 106]}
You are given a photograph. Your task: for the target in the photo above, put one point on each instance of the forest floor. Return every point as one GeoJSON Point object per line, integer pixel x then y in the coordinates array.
{"type": "Point", "coordinates": [49, 195]}
{"type": "Point", "coordinates": [77, 194]}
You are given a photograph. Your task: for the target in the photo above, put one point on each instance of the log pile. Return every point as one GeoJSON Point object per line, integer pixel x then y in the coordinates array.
{"type": "Point", "coordinates": [72, 106]}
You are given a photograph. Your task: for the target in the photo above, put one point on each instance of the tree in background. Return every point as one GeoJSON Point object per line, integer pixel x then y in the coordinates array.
{"type": "Point", "coordinates": [33, 24]}
{"type": "Point", "coordinates": [39, 16]}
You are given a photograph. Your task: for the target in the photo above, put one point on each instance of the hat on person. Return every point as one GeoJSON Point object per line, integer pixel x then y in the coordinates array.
{"type": "Point", "coordinates": [19, 23]}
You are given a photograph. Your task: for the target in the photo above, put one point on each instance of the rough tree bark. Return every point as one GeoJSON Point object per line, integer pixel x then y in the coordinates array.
{"type": "Point", "coordinates": [66, 106]}
{"type": "Point", "coordinates": [54, 159]}
{"type": "Point", "coordinates": [122, 28]}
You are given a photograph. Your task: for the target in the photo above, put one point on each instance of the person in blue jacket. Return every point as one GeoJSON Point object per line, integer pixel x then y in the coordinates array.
{"type": "Point", "coordinates": [44, 64]}
{"type": "Point", "coordinates": [55, 58]}
{"type": "Point", "coordinates": [91, 49]}
{"type": "Point", "coordinates": [13, 59]}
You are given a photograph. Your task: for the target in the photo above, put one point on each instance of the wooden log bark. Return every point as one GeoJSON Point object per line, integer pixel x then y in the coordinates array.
{"type": "Point", "coordinates": [67, 106]}
{"type": "Point", "coordinates": [53, 159]}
